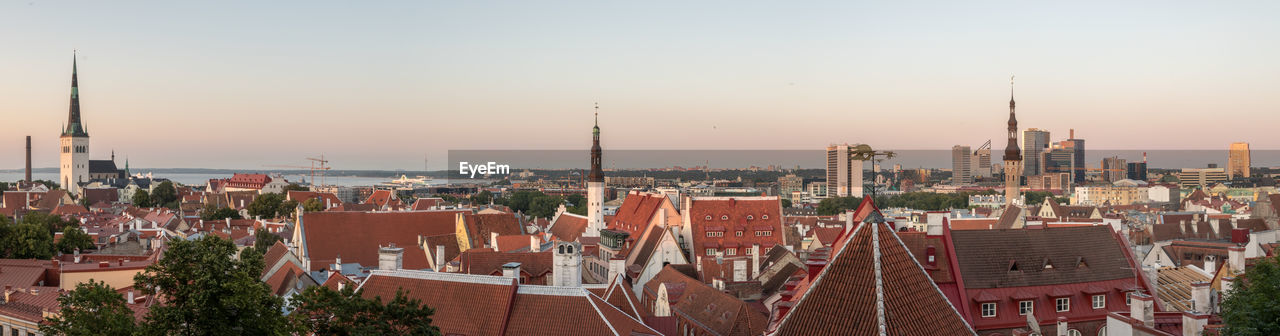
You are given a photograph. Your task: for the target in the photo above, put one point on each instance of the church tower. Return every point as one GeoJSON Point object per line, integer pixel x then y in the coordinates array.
{"type": "Point", "coordinates": [1012, 156]}
{"type": "Point", "coordinates": [74, 159]}
{"type": "Point", "coordinates": [566, 268]}
{"type": "Point", "coordinates": [595, 185]}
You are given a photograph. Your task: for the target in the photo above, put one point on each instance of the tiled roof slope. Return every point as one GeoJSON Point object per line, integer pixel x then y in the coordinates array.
{"type": "Point", "coordinates": [356, 236]}
{"type": "Point", "coordinates": [873, 286]}
{"type": "Point", "coordinates": [985, 257]}
{"type": "Point", "coordinates": [568, 227]}
{"type": "Point", "coordinates": [636, 211]}
{"type": "Point", "coordinates": [491, 305]}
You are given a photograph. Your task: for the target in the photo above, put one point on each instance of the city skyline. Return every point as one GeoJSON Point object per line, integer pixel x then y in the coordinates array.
{"type": "Point", "coordinates": [374, 96]}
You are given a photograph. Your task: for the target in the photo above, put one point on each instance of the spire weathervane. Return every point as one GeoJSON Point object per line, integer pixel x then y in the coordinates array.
{"type": "Point", "coordinates": [597, 113]}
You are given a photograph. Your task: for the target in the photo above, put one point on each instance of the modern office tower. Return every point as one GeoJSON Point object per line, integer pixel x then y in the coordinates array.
{"type": "Point", "coordinates": [1114, 169]}
{"type": "Point", "coordinates": [1060, 158]}
{"type": "Point", "coordinates": [1077, 146]}
{"type": "Point", "coordinates": [981, 161]}
{"type": "Point", "coordinates": [961, 165]}
{"type": "Point", "coordinates": [1201, 177]}
{"type": "Point", "coordinates": [1238, 161]}
{"type": "Point", "coordinates": [1137, 171]}
{"type": "Point", "coordinates": [844, 174]}
{"type": "Point", "coordinates": [1034, 142]}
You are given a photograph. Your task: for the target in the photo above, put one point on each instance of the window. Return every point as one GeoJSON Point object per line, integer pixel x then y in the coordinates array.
{"type": "Point", "coordinates": [1099, 301]}
{"type": "Point", "coordinates": [1025, 307]}
{"type": "Point", "coordinates": [1073, 332]}
{"type": "Point", "coordinates": [1063, 304]}
{"type": "Point", "coordinates": [750, 217]}
{"type": "Point", "coordinates": [724, 217]}
{"type": "Point", "coordinates": [739, 233]}
{"type": "Point", "coordinates": [764, 216]}
{"type": "Point", "coordinates": [1127, 300]}
{"type": "Point", "coordinates": [731, 251]}
{"type": "Point", "coordinates": [708, 217]}
{"type": "Point", "coordinates": [711, 251]}
{"type": "Point", "coordinates": [989, 309]}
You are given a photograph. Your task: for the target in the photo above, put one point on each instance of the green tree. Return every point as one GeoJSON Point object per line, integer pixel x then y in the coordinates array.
{"type": "Point", "coordinates": [482, 197]}
{"type": "Point", "coordinates": [1250, 307]}
{"type": "Point", "coordinates": [31, 242]}
{"type": "Point", "coordinates": [142, 199]}
{"type": "Point", "coordinates": [93, 308]}
{"type": "Point", "coordinates": [212, 212]}
{"type": "Point", "coordinates": [265, 205]}
{"type": "Point", "coordinates": [313, 205]}
{"type": "Point", "coordinates": [50, 222]}
{"type": "Point", "coordinates": [786, 203]}
{"type": "Point", "coordinates": [205, 290]}
{"type": "Point", "coordinates": [287, 209]}
{"type": "Point", "coordinates": [836, 205]}
{"type": "Point", "coordinates": [323, 311]}
{"type": "Point", "coordinates": [263, 239]}
{"type": "Point", "coordinates": [165, 195]}
{"type": "Point", "coordinates": [74, 238]}
{"type": "Point", "coordinates": [520, 200]}
{"type": "Point", "coordinates": [52, 185]}
{"type": "Point", "coordinates": [544, 206]}
{"type": "Point", "coordinates": [295, 187]}
{"type": "Point", "coordinates": [1036, 197]}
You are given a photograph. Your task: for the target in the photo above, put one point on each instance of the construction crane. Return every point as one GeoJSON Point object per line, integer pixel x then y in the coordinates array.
{"type": "Point", "coordinates": [317, 168]}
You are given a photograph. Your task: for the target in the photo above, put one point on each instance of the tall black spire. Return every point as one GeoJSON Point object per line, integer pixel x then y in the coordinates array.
{"type": "Point", "coordinates": [75, 127]}
{"type": "Point", "coordinates": [597, 173]}
{"type": "Point", "coordinates": [1012, 152]}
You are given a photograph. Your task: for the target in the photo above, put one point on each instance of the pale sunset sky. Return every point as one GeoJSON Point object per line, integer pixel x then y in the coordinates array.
{"type": "Point", "coordinates": [380, 84]}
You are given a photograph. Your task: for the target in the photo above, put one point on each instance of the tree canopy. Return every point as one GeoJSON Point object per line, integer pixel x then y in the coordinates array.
{"type": "Point", "coordinates": [1250, 308]}
{"type": "Point", "coordinates": [205, 290]}
{"type": "Point", "coordinates": [267, 206]}
{"type": "Point", "coordinates": [141, 199]}
{"type": "Point", "coordinates": [165, 195]}
{"type": "Point", "coordinates": [212, 212]}
{"type": "Point", "coordinates": [323, 311]}
{"type": "Point", "coordinates": [93, 308]}
{"type": "Point", "coordinates": [74, 238]}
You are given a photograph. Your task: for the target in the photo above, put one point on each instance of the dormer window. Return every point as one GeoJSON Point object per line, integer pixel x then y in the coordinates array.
{"type": "Point", "coordinates": [749, 217]}
{"type": "Point", "coordinates": [708, 217]}
{"type": "Point", "coordinates": [764, 216]}
{"type": "Point", "coordinates": [724, 217]}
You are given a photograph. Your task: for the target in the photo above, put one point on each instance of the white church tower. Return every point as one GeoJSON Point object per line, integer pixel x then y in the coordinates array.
{"type": "Point", "coordinates": [74, 159]}
{"type": "Point", "coordinates": [566, 268]}
{"type": "Point", "coordinates": [595, 185]}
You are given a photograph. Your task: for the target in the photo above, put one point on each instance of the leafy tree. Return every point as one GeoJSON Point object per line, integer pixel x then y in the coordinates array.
{"type": "Point", "coordinates": [295, 187]}
{"type": "Point", "coordinates": [786, 203]}
{"type": "Point", "coordinates": [287, 209]}
{"type": "Point", "coordinates": [836, 205]}
{"type": "Point", "coordinates": [93, 308]}
{"type": "Point", "coordinates": [205, 290]}
{"type": "Point", "coordinates": [520, 200]}
{"type": "Point", "coordinates": [165, 195]}
{"type": "Point", "coordinates": [323, 311]}
{"type": "Point", "coordinates": [142, 199]}
{"type": "Point", "coordinates": [1036, 197]}
{"type": "Point", "coordinates": [1062, 200]}
{"type": "Point", "coordinates": [313, 205]}
{"type": "Point", "coordinates": [50, 222]}
{"type": "Point", "coordinates": [544, 206]}
{"type": "Point", "coordinates": [482, 197]}
{"type": "Point", "coordinates": [74, 238]}
{"type": "Point", "coordinates": [576, 199]}
{"type": "Point", "coordinates": [266, 205]}
{"type": "Point", "coordinates": [263, 239]}
{"type": "Point", "coordinates": [52, 185]}
{"type": "Point", "coordinates": [212, 212]}
{"type": "Point", "coordinates": [1250, 308]}
{"type": "Point", "coordinates": [31, 242]}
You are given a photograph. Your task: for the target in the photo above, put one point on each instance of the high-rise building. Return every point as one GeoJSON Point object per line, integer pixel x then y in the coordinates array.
{"type": "Point", "coordinates": [981, 161]}
{"type": "Point", "coordinates": [1114, 169]}
{"type": "Point", "coordinates": [844, 173]}
{"type": "Point", "coordinates": [1012, 157]}
{"type": "Point", "coordinates": [789, 184]}
{"type": "Point", "coordinates": [1034, 143]}
{"type": "Point", "coordinates": [595, 184]}
{"type": "Point", "coordinates": [961, 166]}
{"type": "Point", "coordinates": [1060, 158]}
{"type": "Point", "coordinates": [1077, 147]}
{"type": "Point", "coordinates": [1238, 161]}
{"type": "Point", "coordinates": [1137, 171]}
{"type": "Point", "coordinates": [1201, 177]}
{"type": "Point", "coordinates": [74, 160]}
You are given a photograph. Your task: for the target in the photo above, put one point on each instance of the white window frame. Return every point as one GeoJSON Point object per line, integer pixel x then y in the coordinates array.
{"type": "Point", "coordinates": [711, 251]}
{"type": "Point", "coordinates": [1026, 307]}
{"type": "Point", "coordinates": [1062, 304]}
{"type": "Point", "coordinates": [1099, 301]}
{"type": "Point", "coordinates": [988, 307]}
{"type": "Point", "coordinates": [731, 251]}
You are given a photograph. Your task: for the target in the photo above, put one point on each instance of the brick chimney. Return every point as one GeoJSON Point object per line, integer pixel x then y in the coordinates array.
{"type": "Point", "coordinates": [1235, 258]}
{"type": "Point", "coordinates": [511, 270]}
{"type": "Point", "coordinates": [390, 257]}
{"type": "Point", "coordinates": [493, 241]}
{"type": "Point", "coordinates": [533, 244]}
{"type": "Point", "coordinates": [1200, 295]}
{"type": "Point", "coordinates": [439, 258]}
{"type": "Point", "coordinates": [1140, 308]}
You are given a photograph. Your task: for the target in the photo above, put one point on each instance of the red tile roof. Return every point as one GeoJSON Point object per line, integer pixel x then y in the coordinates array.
{"type": "Point", "coordinates": [491, 305]}
{"type": "Point", "coordinates": [635, 213]}
{"type": "Point", "coordinates": [356, 236]}
{"type": "Point", "coordinates": [303, 196]}
{"type": "Point", "coordinates": [382, 198]}
{"type": "Point", "coordinates": [568, 227]}
{"type": "Point", "coordinates": [480, 227]}
{"type": "Point", "coordinates": [733, 215]}
{"type": "Point", "coordinates": [538, 265]}
{"type": "Point", "coordinates": [427, 203]}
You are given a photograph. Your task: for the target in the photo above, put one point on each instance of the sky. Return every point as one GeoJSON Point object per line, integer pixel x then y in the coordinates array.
{"type": "Point", "coordinates": [381, 85]}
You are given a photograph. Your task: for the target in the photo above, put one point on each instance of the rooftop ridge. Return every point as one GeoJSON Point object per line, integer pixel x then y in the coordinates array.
{"type": "Point", "coordinates": [441, 276]}
{"type": "Point", "coordinates": [875, 255]}
{"type": "Point", "coordinates": [550, 290]}
{"type": "Point", "coordinates": [736, 198]}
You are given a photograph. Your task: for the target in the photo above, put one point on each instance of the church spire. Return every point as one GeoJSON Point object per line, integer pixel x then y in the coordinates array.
{"type": "Point", "coordinates": [1012, 152]}
{"type": "Point", "coordinates": [75, 127]}
{"type": "Point", "coordinates": [597, 173]}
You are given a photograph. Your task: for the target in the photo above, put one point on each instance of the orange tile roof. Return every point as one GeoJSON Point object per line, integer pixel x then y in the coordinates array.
{"type": "Point", "coordinates": [356, 236]}
{"type": "Point", "coordinates": [568, 227]}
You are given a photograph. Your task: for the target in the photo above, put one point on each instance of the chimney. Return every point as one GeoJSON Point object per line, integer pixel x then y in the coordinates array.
{"type": "Point", "coordinates": [1062, 325]}
{"type": "Point", "coordinates": [511, 270]}
{"type": "Point", "coordinates": [1210, 264]}
{"type": "Point", "coordinates": [390, 257]}
{"type": "Point", "coordinates": [439, 257]}
{"type": "Point", "coordinates": [755, 261]}
{"type": "Point", "coordinates": [1140, 308]}
{"type": "Point", "coordinates": [493, 241]}
{"type": "Point", "coordinates": [739, 270]}
{"type": "Point", "coordinates": [815, 266]}
{"type": "Point", "coordinates": [1200, 295]}
{"type": "Point", "coordinates": [130, 296]}
{"type": "Point", "coordinates": [1194, 323]}
{"type": "Point", "coordinates": [76, 256]}
{"type": "Point", "coordinates": [698, 263]}
{"type": "Point", "coordinates": [337, 264]}
{"type": "Point", "coordinates": [1235, 258]}
{"type": "Point", "coordinates": [28, 159]}
{"type": "Point", "coordinates": [533, 243]}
